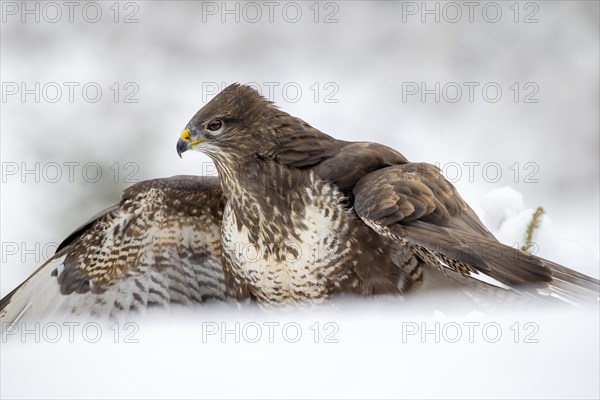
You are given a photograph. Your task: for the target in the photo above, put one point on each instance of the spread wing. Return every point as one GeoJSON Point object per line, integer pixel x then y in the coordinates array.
{"type": "Point", "coordinates": [417, 206]}
{"type": "Point", "coordinates": [159, 246]}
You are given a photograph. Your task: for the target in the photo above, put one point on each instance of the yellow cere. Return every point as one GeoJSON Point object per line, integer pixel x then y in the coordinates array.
{"type": "Point", "coordinates": [185, 135]}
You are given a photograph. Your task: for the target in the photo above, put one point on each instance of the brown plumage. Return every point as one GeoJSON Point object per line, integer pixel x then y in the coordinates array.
{"type": "Point", "coordinates": [159, 246]}
{"type": "Point", "coordinates": [296, 215]}
{"type": "Point", "coordinates": [396, 215]}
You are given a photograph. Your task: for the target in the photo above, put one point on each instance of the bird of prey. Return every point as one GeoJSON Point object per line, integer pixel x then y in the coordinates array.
{"type": "Point", "coordinates": [322, 216]}
{"type": "Point", "coordinates": [294, 216]}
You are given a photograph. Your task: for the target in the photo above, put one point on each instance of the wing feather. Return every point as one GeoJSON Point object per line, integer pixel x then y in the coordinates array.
{"type": "Point", "coordinates": [417, 206]}
{"type": "Point", "coordinates": [158, 246]}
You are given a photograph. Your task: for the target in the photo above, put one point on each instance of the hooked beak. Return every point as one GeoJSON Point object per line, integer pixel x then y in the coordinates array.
{"type": "Point", "coordinates": [186, 143]}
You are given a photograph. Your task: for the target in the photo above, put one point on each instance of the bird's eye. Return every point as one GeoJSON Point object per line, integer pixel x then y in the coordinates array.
{"type": "Point", "coordinates": [214, 125]}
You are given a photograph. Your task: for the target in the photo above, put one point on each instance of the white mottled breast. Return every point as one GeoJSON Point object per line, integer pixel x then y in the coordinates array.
{"type": "Point", "coordinates": [292, 255]}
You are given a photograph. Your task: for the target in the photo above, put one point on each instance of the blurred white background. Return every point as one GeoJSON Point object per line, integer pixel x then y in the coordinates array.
{"type": "Point", "coordinates": [348, 68]}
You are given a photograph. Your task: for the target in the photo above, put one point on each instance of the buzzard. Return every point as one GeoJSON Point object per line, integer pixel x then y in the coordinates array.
{"type": "Point", "coordinates": [295, 216]}
{"type": "Point", "coordinates": [325, 216]}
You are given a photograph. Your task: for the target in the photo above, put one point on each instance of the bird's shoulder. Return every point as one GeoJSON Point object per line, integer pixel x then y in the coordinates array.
{"type": "Point", "coordinates": [351, 161]}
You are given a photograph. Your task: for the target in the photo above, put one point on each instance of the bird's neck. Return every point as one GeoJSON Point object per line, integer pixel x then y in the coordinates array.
{"type": "Point", "coordinates": [260, 179]}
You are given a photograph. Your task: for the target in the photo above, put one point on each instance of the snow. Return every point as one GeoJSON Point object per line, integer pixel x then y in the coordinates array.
{"type": "Point", "coordinates": [546, 154]}
{"type": "Point", "coordinates": [505, 214]}
{"type": "Point", "coordinates": [375, 349]}
{"type": "Point", "coordinates": [501, 204]}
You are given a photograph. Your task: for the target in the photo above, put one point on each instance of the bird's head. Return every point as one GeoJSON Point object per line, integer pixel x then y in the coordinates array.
{"type": "Point", "coordinates": [235, 122]}
{"type": "Point", "coordinates": [239, 125]}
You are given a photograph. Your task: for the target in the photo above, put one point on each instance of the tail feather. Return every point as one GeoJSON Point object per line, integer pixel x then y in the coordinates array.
{"type": "Point", "coordinates": [573, 285]}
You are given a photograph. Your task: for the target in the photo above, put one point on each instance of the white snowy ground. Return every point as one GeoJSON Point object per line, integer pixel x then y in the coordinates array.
{"type": "Point", "coordinates": [176, 53]}
{"type": "Point", "coordinates": [434, 348]}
